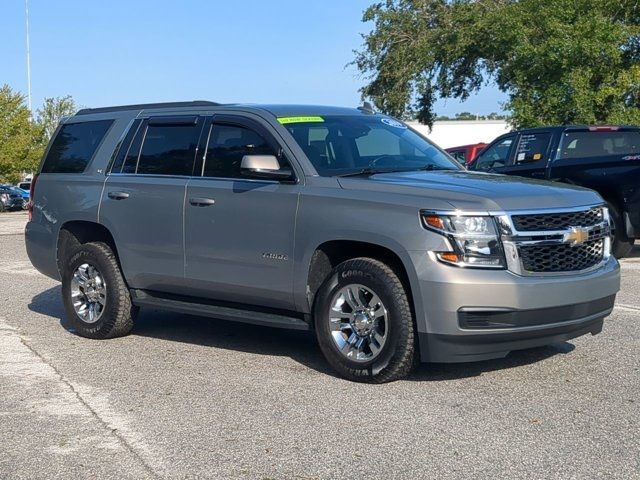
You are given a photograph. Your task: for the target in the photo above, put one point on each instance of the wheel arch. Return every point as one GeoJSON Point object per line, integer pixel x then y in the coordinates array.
{"type": "Point", "coordinates": [326, 255]}
{"type": "Point", "coordinates": [76, 232]}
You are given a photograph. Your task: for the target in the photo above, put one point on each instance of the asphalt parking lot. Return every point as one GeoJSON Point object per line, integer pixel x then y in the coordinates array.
{"type": "Point", "coordinates": [188, 397]}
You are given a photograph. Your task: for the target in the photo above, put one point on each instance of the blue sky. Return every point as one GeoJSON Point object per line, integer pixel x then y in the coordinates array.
{"type": "Point", "coordinates": [116, 52]}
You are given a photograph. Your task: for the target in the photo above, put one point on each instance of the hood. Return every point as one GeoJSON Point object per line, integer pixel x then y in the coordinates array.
{"type": "Point", "coordinates": [476, 191]}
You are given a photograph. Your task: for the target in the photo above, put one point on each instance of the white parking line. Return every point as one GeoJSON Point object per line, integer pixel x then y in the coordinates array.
{"type": "Point", "coordinates": [43, 392]}
{"type": "Point", "coordinates": [628, 308]}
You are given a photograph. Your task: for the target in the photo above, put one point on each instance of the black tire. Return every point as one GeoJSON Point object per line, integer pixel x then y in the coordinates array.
{"type": "Point", "coordinates": [399, 353]}
{"type": "Point", "coordinates": [118, 314]}
{"type": "Point", "coordinates": [621, 245]}
{"type": "Point", "coordinates": [2, 207]}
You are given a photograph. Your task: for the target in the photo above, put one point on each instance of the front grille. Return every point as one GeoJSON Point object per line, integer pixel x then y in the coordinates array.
{"type": "Point", "coordinates": [561, 257]}
{"type": "Point", "coordinates": [557, 221]}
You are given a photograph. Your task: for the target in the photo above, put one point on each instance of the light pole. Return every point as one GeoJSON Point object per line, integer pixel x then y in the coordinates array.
{"type": "Point", "coordinates": [26, 9]}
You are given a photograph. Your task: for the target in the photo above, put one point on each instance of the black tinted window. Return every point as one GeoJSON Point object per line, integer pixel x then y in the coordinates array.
{"type": "Point", "coordinates": [227, 145]}
{"type": "Point", "coordinates": [532, 147]}
{"type": "Point", "coordinates": [167, 150]}
{"type": "Point", "coordinates": [122, 149]}
{"type": "Point", "coordinates": [74, 146]}
{"type": "Point", "coordinates": [495, 156]}
{"type": "Point", "coordinates": [599, 144]}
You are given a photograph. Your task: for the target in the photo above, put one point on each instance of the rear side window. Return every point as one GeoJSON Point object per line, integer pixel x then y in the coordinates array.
{"type": "Point", "coordinates": [163, 149]}
{"type": "Point", "coordinates": [599, 144]}
{"type": "Point", "coordinates": [532, 147]}
{"type": "Point", "coordinates": [74, 146]}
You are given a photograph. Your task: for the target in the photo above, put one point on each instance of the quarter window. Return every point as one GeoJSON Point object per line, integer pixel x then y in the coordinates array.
{"type": "Point", "coordinates": [74, 146]}
{"type": "Point", "coordinates": [227, 145]}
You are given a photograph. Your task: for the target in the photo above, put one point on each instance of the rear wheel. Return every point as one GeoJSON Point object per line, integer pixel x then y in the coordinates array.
{"type": "Point", "coordinates": [364, 324]}
{"type": "Point", "coordinates": [95, 295]}
{"type": "Point", "coordinates": [621, 244]}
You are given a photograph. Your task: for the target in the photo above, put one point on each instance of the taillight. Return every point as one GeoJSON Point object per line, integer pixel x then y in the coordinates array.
{"type": "Point", "coordinates": [32, 192]}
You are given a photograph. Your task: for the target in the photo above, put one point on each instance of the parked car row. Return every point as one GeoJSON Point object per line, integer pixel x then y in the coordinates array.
{"type": "Point", "coordinates": [603, 158]}
{"type": "Point", "coordinates": [12, 198]}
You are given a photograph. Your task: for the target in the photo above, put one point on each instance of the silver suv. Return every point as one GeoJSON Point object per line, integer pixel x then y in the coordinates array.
{"type": "Point", "coordinates": [340, 221]}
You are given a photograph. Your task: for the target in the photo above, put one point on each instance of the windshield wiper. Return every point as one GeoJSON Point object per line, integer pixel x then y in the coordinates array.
{"type": "Point", "coordinates": [372, 171]}
{"type": "Point", "coordinates": [365, 171]}
{"type": "Point", "coordinates": [431, 167]}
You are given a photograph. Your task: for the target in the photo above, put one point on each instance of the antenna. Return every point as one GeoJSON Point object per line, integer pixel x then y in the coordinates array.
{"type": "Point", "coordinates": [26, 9]}
{"type": "Point", "coordinates": [366, 108]}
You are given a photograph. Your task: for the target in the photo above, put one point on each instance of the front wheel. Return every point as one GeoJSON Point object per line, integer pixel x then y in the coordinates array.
{"type": "Point", "coordinates": [95, 295]}
{"type": "Point", "coordinates": [364, 324]}
{"type": "Point", "coordinates": [621, 245]}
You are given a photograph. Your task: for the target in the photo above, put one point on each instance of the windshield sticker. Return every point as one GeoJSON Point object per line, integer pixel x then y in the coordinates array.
{"type": "Point", "coordinates": [286, 120]}
{"type": "Point", "coordinates": [393, 123]}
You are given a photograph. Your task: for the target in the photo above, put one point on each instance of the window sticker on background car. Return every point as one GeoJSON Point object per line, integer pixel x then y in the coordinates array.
{"type": "Point", "coordinates": [393, 123]}
{"type": "Point", "coordinates": [286, 120]}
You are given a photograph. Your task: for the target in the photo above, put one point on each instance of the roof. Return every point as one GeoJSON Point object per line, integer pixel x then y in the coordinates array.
{"type": "Point", "coordinates": [302, 110]}
{"type": "Point", "coordinates": [276, 110]}
{"type": "Point", "coordinates": [145, 106]}
{"type": "Point", "coordinates": [576, 127]}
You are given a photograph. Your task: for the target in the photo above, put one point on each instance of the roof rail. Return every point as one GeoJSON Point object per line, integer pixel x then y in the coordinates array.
{"type": "Point", "coordinates": [144, 106]}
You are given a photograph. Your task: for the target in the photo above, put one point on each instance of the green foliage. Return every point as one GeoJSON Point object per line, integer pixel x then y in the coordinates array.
{"type": "Point", "coordinates": [559, 61]}
{"type": "Point", "coordinates": [52, 111]}
{"type": "Point", "coordinates": [21, 142]}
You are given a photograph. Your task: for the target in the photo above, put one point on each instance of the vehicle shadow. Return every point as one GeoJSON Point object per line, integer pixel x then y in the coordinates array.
{"type": "Point", "coordinates": [299, 346]}
{"type": "Point", "coordinates": [635, 253]}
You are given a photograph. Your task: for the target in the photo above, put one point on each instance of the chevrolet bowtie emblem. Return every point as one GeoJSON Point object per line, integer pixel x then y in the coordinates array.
{"type": "Point", "coordinates": [576, 236]}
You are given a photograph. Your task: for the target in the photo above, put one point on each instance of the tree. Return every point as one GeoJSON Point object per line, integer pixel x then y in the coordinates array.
{"type": "Point", "coordinates": [559, 61]}
{"type": "Point", "coordinates": [21, 143]}
{"type": "Point", "coordinates": [52, 111]}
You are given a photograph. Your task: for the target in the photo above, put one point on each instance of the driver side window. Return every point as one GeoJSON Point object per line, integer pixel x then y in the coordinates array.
{"type": "Point", "coordinates": [496, 155]}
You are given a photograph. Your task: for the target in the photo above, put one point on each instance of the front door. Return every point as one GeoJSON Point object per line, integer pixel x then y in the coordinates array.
{"type": "Point", "coordinates": [239, 232]}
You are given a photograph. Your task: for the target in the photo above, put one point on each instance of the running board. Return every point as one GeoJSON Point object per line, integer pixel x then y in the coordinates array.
{"type": "Point", "coordinates": [205, 308]}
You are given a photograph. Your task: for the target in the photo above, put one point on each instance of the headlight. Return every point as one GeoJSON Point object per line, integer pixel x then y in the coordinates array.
{"type": "Point", "coordinates": [474, 239]}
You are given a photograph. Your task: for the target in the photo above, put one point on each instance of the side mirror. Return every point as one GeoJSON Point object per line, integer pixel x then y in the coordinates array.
{"type": "Point", "coordinates": [263, 166]}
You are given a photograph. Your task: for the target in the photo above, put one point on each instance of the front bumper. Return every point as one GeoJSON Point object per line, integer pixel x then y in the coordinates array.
{"type": "Point", "coordinates": [475, 314]}
{"type": "Point", "coordinates": [14, 204]}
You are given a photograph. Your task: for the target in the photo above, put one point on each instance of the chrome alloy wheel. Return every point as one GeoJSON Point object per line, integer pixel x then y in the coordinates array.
{"type": "Point", "coordinates": [358, 321]}
{"type": "Point", "coordinates": [88, 293]}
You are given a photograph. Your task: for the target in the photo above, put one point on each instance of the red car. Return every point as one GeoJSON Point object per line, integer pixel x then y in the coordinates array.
{"type": "Point", "coordinates": [465, 154]}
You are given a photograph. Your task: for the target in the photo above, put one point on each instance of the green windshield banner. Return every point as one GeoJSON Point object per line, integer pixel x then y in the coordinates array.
{"type": "Point", "coordinates": [286, 120]}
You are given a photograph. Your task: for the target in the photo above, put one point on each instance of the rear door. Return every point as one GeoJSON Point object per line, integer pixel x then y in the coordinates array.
{"type": "Point", "coordinates": [239, 232]}
{"type": "Point", "coordinates": [143, 199]}
{"type": "Point", "coordinates": [531, 155]}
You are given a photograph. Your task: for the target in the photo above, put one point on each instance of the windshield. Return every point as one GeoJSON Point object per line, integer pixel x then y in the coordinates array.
{"type": "Point", "coordinates": [352, 144]}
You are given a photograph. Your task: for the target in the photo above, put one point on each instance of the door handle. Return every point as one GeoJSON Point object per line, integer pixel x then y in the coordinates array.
{"type": "Point", "coordinates": [201, 202]}
{"type": "Point", "coordinates": [118, 195]}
